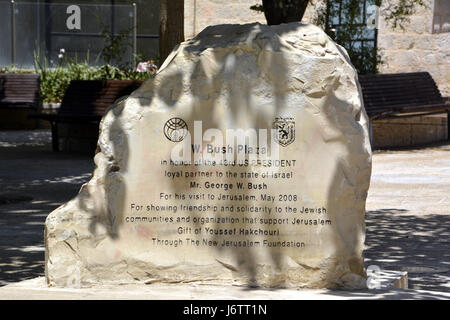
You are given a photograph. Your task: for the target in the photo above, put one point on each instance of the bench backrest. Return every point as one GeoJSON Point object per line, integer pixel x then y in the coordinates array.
{"type": "Point", "coordinates": [20, 89]}
{"type": "Point", "coordinates": [91, 98]}
{"type": "Point", "coordinates": [399, 92]}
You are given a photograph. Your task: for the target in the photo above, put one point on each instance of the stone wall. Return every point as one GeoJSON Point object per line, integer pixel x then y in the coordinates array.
{"type": "Point", "coordinates": [198, 14]}
{"type": "Point", "coordinates": [424, 45]}
{"type": "Point", "coordinates": [407, 132]}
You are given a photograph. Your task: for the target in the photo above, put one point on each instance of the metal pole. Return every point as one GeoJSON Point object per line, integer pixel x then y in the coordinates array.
{"type": "Point", "coordinates": [38, 26]}
{"type": "Point", "coordinates": [48, 29]}
{"type": "Point", "coordinates": [134, 34]}
{"type": "Point", "coordinates": [13, 32]}
{"type": "Point", "coordinates": [113, 12]}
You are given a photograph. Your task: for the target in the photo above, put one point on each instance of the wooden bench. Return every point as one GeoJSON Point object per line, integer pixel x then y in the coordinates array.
{"type": "Point", "coordinates": [20, 90]}
{"type": "Point", "coordinates": [401, 95]}
{"type": "Point", "coordinates": [19, 95]}
{"type": "Point", "coordinates": [85, 101]}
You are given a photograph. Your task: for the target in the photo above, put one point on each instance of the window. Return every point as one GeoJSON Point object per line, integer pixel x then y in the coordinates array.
{"type": "Point", "coordinates": [347, 25]}
{"type": "Point", "coordinates": [441, 16]}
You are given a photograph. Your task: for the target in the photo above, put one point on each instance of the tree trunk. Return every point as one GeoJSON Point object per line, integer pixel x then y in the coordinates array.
{"type": "Point", "coordinates": [171, 26]}
{"type": "Point", "coordinates": [284, 11]}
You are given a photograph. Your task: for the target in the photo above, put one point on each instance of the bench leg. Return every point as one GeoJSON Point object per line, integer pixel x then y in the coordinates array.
{"type": "Point", "coordinates": [55, 138]}
{"type": "Point", "coordinates": [448, 125]}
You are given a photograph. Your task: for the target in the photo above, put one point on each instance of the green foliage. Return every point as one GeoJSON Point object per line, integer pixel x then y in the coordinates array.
{"type": "Point", "coordinates": [364, 57]}
{"type": "Point", "coordinates": [112, 52]}
{"type": "Point", "coordinates": [14, 69]}
{"type": "Point", "coordinates": [55, 80]}
{"type": "Point", "coordinates": [55, 77]}
{"type": "Point", "coordinates": [363, 54]}
{"type": "Point", "coordinates": [397, 13]}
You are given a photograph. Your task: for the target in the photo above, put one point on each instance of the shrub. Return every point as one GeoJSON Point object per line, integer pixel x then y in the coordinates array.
{"type": "Point", "coordinates": [54, 81]}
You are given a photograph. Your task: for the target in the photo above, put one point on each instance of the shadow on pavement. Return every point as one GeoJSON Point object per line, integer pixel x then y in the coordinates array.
{"type": "Point", "coordinates": [33, 182]}
{"type": "Point", "coordinates": [418, 245]}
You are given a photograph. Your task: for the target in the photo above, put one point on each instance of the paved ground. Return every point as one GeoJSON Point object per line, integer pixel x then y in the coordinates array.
{"type": "Point", "coordinates": [408, 215]}
{"type": "Point", "coordinates": [408, 209]}
{"type": "Point", "coordinates": [36, 289]}
{"type": "Point", "coordinates": [44, 180]}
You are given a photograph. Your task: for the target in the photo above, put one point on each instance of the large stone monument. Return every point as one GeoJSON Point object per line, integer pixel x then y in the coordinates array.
{"type": "Point", "coordinates": [166, 204]}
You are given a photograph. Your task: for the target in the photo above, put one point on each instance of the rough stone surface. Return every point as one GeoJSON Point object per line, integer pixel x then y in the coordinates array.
{"type": "Point", "coordinates": [229, 76]}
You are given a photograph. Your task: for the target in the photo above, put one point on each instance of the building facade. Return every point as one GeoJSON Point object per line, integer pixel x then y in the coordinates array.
{"type": "Point", "coordinates": [423, 44]}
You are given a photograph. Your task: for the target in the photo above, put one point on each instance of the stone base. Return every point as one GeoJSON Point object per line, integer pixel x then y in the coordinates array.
{"type": "Point", "coordinates": [35, 289]}
{"type": "Point", "coordinates": [407, 132]}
